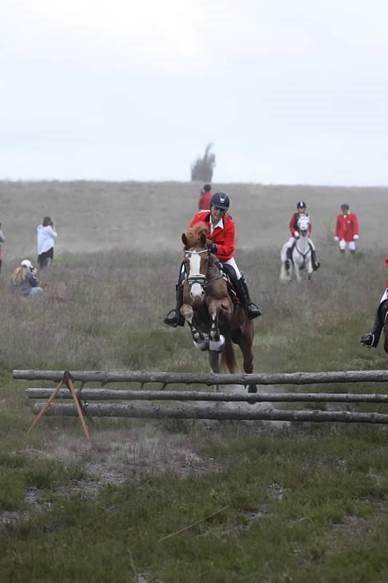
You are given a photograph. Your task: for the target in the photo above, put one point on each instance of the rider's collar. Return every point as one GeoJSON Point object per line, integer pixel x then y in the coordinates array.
{"type": "Point", "coordinates": [219, 224]}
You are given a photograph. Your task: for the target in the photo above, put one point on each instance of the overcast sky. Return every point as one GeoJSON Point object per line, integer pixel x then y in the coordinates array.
{"type": "Point", "coordinates": [288, 91]}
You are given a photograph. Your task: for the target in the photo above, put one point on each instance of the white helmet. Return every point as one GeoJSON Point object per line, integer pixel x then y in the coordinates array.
{"type": "Point", "coordinates": [26, 263]}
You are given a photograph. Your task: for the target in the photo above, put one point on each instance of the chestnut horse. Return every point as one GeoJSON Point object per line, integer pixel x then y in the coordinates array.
{"type": "Point", "coordinates": [215, 321]}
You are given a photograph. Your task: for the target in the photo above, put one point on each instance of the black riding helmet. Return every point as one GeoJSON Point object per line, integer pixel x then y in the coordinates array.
{"type": "Point", "coordinates": [301, 205]}
{"type": "Point", "coordinates": [220, 200]}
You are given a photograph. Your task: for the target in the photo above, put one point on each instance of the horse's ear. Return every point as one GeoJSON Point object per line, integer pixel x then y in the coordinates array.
{"type": "Point", "coordinates": [203, 239]}
{"type": "Point", "coordinates": [184, 239]}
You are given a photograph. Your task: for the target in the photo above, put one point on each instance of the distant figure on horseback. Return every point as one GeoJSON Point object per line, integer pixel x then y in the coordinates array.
{"type": "Point", "coordinates": [380, 322]}
{"type": "Point", "coordinates": [221, 243]}
{"type": "Point", "coordinates": [286, 253]}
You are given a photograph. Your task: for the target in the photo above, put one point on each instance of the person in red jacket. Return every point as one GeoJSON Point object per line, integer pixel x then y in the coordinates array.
{"type": "Point", "coordinates": [286, 253]}
{"type": "Point", "coordinates": [346, 229]}
{"type": "Point", "coordinates": [381, 320]}
{"type": "Point", "coordinates": [221, 242]}
{"type": "Point", "coordinates": [205, 198]}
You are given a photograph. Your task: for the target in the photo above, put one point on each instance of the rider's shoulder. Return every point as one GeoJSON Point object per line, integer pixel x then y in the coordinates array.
{"type": "Point", "coordinates": [202, 215]}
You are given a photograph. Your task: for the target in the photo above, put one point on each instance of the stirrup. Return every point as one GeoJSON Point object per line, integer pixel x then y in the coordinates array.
{"type": "Point", "coordinates": [174, 318]}
{"type": "Point", "coordinates": [368, 340]}
{"type": "Point", "coordinates": [253, 311]}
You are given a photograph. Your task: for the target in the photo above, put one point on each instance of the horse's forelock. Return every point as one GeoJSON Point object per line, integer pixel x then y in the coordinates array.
{"type": "Point", "coordinates": [195, 233]}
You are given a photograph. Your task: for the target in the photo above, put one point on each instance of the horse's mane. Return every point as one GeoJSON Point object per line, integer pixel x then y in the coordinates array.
{"type": "Point", "coordinates": [195, 233]}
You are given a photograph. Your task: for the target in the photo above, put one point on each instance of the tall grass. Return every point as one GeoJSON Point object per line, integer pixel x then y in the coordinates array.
{"type": "Point", "coordinates": [301, 503]}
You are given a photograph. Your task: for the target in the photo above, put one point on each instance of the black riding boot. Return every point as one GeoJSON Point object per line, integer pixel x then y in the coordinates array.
{"type": "Point", "coordinates": [252, 309]}
{"type": "Point", "coordinates": [315, 262]}
{"type": "Point", "coordinates": [372, 338]}
{"type": "Point", "coordinates": [174, 317]}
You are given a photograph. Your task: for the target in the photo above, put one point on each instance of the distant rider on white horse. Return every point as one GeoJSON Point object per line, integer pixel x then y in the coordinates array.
{"type": "Point", "coordinates": [294, 230]}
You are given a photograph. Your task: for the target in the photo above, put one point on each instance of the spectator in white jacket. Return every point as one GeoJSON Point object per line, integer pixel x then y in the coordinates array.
{"type": "Point", "coordinates": [46, 238]}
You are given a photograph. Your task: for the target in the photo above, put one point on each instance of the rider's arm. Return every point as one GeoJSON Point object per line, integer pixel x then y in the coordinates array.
{"type": "Point", "coordinates": [338, 227]}
{"type": "Point", "coordinates": [226, 250]}
{"type": "Point", "coordinates": [355, 225]}
{"type": "Point", "coordinates": [292, 225]}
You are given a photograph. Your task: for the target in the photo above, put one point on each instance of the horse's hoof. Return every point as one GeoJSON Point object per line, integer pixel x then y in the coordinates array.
{"type": "Point", "coordinates": [217, 345]}
{"type": "Point", "coordinates": [201, 345]}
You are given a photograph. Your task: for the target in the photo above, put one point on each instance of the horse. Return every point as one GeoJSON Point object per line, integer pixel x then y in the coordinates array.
{"type": "Point", "coordinates": [214, 319]}
{"type": "Point", "coordinates": [301, 253]}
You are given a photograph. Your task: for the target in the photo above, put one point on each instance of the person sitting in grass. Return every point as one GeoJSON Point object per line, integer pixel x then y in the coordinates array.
{"type": "Point", "coordinates": [24, 280]}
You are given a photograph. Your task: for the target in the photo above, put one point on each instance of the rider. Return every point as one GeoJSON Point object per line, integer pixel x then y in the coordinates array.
{"type": "Point", "coordinates": [372, 338]}
{"type": "Point", "coordinates": [301, 209]}
{"type": "Point", "coordinates": [221, 242]}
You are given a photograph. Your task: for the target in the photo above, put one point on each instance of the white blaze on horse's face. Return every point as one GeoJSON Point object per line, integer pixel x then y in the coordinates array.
{"type": "Point", "coordinates": [195, 278]}
{"type": "Point", "coordinates": [303, 224]}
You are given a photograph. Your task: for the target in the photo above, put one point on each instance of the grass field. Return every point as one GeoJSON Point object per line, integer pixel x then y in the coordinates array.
{"type": "Point", "coordinates": [286, 502]}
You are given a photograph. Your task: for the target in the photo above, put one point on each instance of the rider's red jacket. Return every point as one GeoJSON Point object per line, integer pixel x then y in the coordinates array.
{"type": "Point", "coordinates": [293, 224]}
{"type": "Point", "coordinates": [346, 226]}
{"type": "Point", "coordinates": [223, 235]}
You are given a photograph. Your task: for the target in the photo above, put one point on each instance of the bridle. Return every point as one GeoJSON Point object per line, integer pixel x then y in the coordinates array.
{"type": "Point", "coordinates": [199, 278]}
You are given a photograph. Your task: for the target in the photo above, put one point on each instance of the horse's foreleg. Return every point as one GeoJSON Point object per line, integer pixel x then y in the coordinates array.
{"type": "Point", "coordinates": [200, 340]}
{"type": "Point", "coordinates": [216, 340]}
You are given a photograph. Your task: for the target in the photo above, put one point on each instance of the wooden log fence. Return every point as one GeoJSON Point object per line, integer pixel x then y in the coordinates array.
{"type": "Point", "coordinates": [202, 404]}
{"type": "Point", "coordinates": [143, 377]}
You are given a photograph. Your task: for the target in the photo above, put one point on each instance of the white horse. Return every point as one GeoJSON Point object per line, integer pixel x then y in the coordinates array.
{"type": "Point", "coordinates": [301, 253]}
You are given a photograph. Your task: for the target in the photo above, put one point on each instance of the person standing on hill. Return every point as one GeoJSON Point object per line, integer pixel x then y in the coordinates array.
{"type": "Point", "coordinates": [346, 229]}
{"type": "Point", "coordinates": [205, 198]}
{"type": "Point", "coordinates": [2, 239]}
{"type": "Point", "coordinates": [46, 238]}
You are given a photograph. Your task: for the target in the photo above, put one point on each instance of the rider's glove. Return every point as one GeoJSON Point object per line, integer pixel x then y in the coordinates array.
{"type": "Point", "coordinates": [296, 235]}
{"type": "Point", "coordinates": [212, 247]}
{"type": "Point", "coordinates": [355, 237]}
{"type": "Point", "coordinates": [336, 238]}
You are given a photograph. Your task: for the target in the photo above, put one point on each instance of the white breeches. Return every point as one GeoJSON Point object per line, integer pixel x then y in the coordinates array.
{"type": "Point", "coordinates": [288, 244]}
{"type": "Point", "coordinates": [233, 263]}
{"type": "Point", "coordinates": [350, 244]}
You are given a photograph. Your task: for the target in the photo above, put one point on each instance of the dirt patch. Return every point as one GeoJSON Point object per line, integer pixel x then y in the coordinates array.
{"type": "Point", "coordinates": [119, 455]}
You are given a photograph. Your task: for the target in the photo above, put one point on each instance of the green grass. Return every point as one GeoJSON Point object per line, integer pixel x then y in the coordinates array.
{"type": "Point", "coordinates": [290, 498]}
{"type": "Point", "coordinates": [304, 503]}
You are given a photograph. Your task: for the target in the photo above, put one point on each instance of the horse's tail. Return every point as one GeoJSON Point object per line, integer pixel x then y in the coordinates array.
{"type": "Point", "coordinates": [228, 358]}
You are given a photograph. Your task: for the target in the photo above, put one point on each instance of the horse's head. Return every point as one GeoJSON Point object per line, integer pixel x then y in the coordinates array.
{"type": "Point", "coordinates": [196, 261]}
{"type": "Point", "coordinates": [303, 224]}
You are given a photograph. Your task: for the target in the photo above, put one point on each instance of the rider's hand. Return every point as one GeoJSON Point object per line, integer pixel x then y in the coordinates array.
{"type": "Point", "coordinates": [296, 234]}
{"type": "Point", "coordinates": [336, 238]}
{"type": "Point", "coordinates": [212, 247]}
{"type": "Point", "coordinates": [355, 237]}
